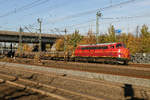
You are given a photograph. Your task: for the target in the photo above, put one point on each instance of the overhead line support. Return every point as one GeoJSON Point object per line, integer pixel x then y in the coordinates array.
{"type": "Point", "coordinates": [98, 15]}
{"type": "Point", "coordinates": [40, 32]}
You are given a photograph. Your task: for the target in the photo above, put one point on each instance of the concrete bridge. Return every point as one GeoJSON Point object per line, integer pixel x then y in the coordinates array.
{"type": "Point", "coordinates": [13, 37]}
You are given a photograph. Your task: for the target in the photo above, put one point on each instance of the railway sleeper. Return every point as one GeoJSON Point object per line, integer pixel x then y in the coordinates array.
{"type": "Point", "coordinates": [138, 92]}
{"type": "Point", "coordinates": [34, 90]}
{"type": "Point", "coordinates": [26, 87]}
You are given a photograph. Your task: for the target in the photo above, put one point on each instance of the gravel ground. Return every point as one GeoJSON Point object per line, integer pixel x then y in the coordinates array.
{"type": "Point", "coordinates": [141, 58]}
{"type": "Point", "coordinates": [132, 74]}
{"type": "Point", "coordinates": [96, 88]}
{"type": "Point", "coordinates": [132, 70]}
{"type": "Point", "coordinates": [8, 92]}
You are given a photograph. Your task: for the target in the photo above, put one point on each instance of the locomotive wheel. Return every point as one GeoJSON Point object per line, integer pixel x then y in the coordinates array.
{"type": "Point", "coordinates": [125, 62]}
{"type": "Point", "coordinates": [76, 59]}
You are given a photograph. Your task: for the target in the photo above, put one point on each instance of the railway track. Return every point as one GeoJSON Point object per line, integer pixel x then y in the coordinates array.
{"type": "Point", "coordinates": [130, 70]}
{"type": "Point", "coordinates": [43, 89]}
{"type": "Point", "coordinates": [64, 78]}
{"type": "Point", "coordinates": [74, 87]}
{"type": "Point", "coordinates": [19, 83]}
{"type": "Point", "coordinates": [44, 62]}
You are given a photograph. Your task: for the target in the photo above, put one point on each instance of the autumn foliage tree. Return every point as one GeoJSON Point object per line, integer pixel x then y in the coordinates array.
{"type": "Point", "coordinates": [69, 42]}
{"type": "Point", "coordinates": [60, 44]}
{"type": "Point", "coordinates": [144, 39]}
{"type": "Point", "coordinates": [111, 34]}
{"type": "Point", "coordinates": [135, 43]}
{"type": "Point", "coordinates": [89, 39]}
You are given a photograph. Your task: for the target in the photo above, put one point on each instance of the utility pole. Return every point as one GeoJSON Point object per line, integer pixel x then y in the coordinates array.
{"type": "Point", "coordinates": [1, 49]}
{"type": "Point", "coordinates": [137, 31]}
{"type": "Point", "coordinates": [40, 30]}
{"type": "Point", "coordinates": [65, 30]}
{"type": "Point", "coordinates": [65, 43]}
{"type": "Point", "coordinates": [20, 41]}
{"type": "Point", "coordinates": [111, 2]}
{"type": "Point", "coordinates": [98, 14]}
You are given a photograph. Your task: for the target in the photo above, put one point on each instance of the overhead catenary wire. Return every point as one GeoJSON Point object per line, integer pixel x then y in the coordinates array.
{"type": "Point", "coordinates": [49, 8]}
{"type": "Point", "coordinates": [89, 12]}
{"type": "Point", "coordinates": [25, 7]}
{"type": "Point", "coordinates": [109, 18]}
{"type": "Point", "coordinates": [3, 1]}
{"type": "Point", "coordinates": [82, 13]}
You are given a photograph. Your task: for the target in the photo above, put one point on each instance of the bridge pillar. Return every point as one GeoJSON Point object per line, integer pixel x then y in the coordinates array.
{"type": "Point", "coordinates": [43, 47]}
{"type": "Point", "coordinates": [46, 46]}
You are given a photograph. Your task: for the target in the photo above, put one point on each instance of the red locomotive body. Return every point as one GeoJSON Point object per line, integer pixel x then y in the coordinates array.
{"type": "Point", "coordinates": [109, 51]}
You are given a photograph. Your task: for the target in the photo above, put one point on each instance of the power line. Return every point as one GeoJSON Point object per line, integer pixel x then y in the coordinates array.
{"type": "Point", "coordinates": [91, 11]}
{"type": "Point", "coordinates": [50, 8]}
{"type": "Point", "coordinates": [119, 19]}
{"type": "Point", "coordinates": [3, 1]}
{"type": "Point", "coordinates": [25, 7]}
{"type": "Point", "coordinates": [88, 12]}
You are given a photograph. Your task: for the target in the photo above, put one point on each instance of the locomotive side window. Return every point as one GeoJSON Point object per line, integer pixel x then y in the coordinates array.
{"type": "Point", "coordinates": [83, 48]}
{"type": "Point", "coordinates": [112, 47]}
{"type": "Point", "coordinates": [105, 47]}
{"type": "Point", "coordinates": [95, 47]}
{"type": "Point", "coordinates": [118, 45]}
{"type": "Point", "coordinates": [98, 47]}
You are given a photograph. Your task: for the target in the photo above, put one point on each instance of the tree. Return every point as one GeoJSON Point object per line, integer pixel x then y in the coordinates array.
{"type": "Point", "coordinates": [111, 34]}
{"type": "Point", "coordinates": [132, 44]}
{"type": "Point", "coordinates": [60, 44]}
{"type": "Point", "coordinates": [89, 39]}
{"type": "Point", "coordinates": [73, 40]}
{"type": "Point", "coordinates": [144, 31]}
{"type": "Point", "coordinates": [144, 40]}
{"type": "Point", "coordinates": [103, 38]}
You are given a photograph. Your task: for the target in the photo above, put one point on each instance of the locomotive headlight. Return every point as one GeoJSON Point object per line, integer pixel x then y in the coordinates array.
{"type": "Point", "coordinates": [119, 51]}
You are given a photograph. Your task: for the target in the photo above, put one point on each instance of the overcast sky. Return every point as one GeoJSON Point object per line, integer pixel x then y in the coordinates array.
{"type": "Point", "coordinates": [73, 14]}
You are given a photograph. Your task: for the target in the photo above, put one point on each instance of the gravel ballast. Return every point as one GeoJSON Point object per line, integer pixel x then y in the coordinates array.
{"type": "Point", "coordinates": [99, 76]}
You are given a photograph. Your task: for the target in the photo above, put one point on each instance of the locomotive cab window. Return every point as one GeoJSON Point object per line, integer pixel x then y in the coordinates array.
{"type": "Point", "coordinates": [124, 45]}
{"type": "Point", "coordinates": [119, 45]}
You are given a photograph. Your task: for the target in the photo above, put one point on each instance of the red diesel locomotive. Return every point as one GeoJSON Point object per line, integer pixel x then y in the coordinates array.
{"type": "Point", "coordinates": [103, 52]}
{"type": "Point", "coordinates": [106, 52]}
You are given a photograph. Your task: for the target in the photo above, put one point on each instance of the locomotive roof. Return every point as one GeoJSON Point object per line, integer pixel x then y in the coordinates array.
{"type": "Point", "coordinates": [100, 44]}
